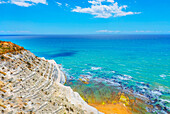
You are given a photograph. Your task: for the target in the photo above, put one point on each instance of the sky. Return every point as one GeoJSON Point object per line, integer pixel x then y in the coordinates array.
{"type": "Point", "coordinates": [84, 17]}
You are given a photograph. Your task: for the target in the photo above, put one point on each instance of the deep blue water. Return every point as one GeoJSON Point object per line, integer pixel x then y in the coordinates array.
{"type": "Point", "coordinates": [138, 61]}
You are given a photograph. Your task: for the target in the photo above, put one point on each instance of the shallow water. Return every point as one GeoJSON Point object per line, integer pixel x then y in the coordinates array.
{"type": "Point", "coordinates": [139, 64]}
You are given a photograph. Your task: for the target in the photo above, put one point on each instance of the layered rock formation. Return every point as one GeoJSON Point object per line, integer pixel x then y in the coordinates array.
{"type": "Point", "coordinates": [29, 84]}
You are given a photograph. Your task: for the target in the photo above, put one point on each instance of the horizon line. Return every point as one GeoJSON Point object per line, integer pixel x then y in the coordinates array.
{"type": "Point", "coordinates": [76, 34]}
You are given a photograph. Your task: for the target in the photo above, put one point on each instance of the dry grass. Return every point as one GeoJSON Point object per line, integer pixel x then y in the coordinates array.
{"type": "Point", "coordinates": [6, 47]}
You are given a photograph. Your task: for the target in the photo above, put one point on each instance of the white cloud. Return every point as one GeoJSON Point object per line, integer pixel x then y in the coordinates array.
{"type": "Point", "coordinates": [59, 4]}
{"type": "Point", "coordinates": [96, 1]}
{"type": "Point", "coordinates": [104, 9]}
{"type": "Point", "coordinates": [137, 31]}
{"type": "Point", "coordinates": [3, 2]}
{"type": "Point", "coordinates": [24, 3]}
{"type": "Point", "coordinates": [107, 31]}
{"type": "Point", "coordinates": [142, 31]}
{"type": "Point", "coordinates": [14, 31]}
{"type": "Point", "coordinates": [110, 1]}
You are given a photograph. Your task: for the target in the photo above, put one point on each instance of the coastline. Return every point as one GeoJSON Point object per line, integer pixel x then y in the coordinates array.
{"type": "Point", "coordinates": [117, 108]}
{"type": "Point", "coordinates": [103, 96]}
{"type": "Point", "coordinates": [108, 99]}
{"type": "Point", "coordinates": [32, 84]}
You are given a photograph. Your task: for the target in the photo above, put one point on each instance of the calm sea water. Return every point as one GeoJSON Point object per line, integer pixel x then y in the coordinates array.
{"type": "Point", "coordinates": [140, 62]}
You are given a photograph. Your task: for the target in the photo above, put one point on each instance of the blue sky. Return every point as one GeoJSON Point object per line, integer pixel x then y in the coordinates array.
{"type": "Point", "coordinates": [84, 17]}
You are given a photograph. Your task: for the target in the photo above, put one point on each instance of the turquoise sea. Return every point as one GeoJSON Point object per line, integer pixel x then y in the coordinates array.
{"type": "Point", "coordinates": [140, 63]}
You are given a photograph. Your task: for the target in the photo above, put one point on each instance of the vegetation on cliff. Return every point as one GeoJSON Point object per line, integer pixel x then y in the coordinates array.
{"type": "Point", "coordinates": [6, 47]}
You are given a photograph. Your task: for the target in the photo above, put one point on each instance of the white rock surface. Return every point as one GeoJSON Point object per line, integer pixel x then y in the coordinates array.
{"type": "Point", "coordinates": [30, 84]}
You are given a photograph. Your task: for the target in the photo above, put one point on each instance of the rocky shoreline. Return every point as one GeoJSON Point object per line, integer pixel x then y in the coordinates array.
{"type": "Point", "coordinates": [29, 84]}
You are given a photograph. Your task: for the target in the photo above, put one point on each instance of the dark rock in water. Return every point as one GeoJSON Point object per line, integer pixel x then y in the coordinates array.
{"type": "Point", "coordinates": [148, 102]}
{"type": "Point", "coordinates": [145, 89]}
{"type": "Point", "coordinates": [121, 75]}
{"type": "Point", "coordinates": [131, 86]}
{"type": "Point", "coordinates": [124, 85]}
{"type": "Point", "coordinates": [154, 101]}
{"type": "Point", "coordinates": [166, 110]}
{"type": "Point", "coordinates": [131, 90]}
{"type": "Point", "coordinates": [147, 85]}
{"type": "Point", "coordinates": [136, 91]}
{"type": "Point", "coordinates": [126, 88]}
{"type": "Point", "coordinates": [158, 106]}
{"type": "Point", "coordinates": [114, 80]}
{"type": "Point", "coordinates": [138, 83]}
{"type": "Point", "coordinates": [148, 109]}
{"type": "Point", "coordinates": [120, 82]}
{"type": "Point", "coordinates": [141, 93]}
{"type": "Point", "coordinates": [71, 77]}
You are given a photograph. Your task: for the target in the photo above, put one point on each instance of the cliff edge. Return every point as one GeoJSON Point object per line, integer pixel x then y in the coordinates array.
{"type": "Point", "coordinates": [29, 84]}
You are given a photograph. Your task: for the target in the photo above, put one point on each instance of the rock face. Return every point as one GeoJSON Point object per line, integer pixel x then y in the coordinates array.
{"type": "Point", "coordinates": [29, 84]}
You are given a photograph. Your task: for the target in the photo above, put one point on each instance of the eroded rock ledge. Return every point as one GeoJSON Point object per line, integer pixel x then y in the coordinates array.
{"type": "Point", "coordinates": [29, 84]}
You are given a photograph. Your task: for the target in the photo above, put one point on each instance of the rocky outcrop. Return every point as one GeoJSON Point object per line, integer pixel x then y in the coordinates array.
{"type": "Point", "coordinates": [6, 47]}
{"type": "Point", "coordinates": [29, 84]}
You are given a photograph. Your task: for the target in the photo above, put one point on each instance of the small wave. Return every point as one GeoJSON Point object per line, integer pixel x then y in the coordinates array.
{"type": "Point", "coordinates": [122, 78]}
{"type": "Point", "coordinates": [113, 83]}
{"type": "Point", "coordinates": [89, 73]}
{"type": "Point", "coordinates": [163, 89]}
{"type": "Point", "coordinates": [163, 76]}
{"type": "Point", "coordinates": [84, 70]}
{"type": "Point", "coordinates": [157, 93]}
{"type": "Point", "coordinates": [121, 64]}
{"type": "Point", "coordinates": [130, 77]}
{"type": "Point", "coordinates": [96, 68]}
{"type": "Point", "coordinates": [165, 100]}
{"type": "Point", "coordinates": [113, 71]}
